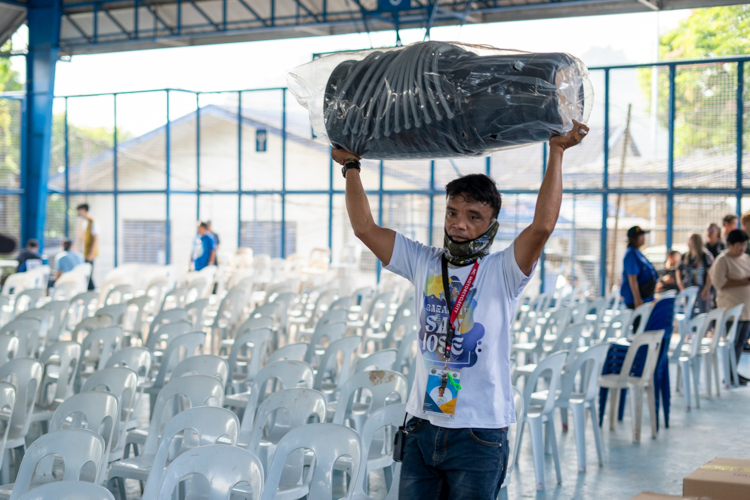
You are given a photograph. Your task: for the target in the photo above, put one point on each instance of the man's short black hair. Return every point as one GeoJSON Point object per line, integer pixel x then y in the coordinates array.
{"type": "Point", "coordinates": [203, 225]}
{"type": "Point", "coordinates": [737, 236]}
{"type": "Point", "coordinates": [66, 244]}
{"type": "Point", "coordinates": [32, 243]}
{"type": "Point", "coordinates": [84, 206]}
{"type": "Point", "coordinates": [728, 218]}
{"type": "Point", "coordinates": [476, 187]}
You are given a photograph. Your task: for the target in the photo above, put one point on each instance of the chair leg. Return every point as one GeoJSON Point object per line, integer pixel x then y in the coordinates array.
{"type": "Point", "coordinates": [696, 367]}
{"type": "Point", "coordinates": [614, 404]}
{"type": "Point", "coordinates": [707, 372]}
{"type": "Point", "coordinates": [555, 454]}
{"type": "Point", "coordinates": [636, 409]}
{"type": "Point", "coordinates": [503, 493]}
{"type": "Point", "coordinates": [722, 354]}
{"type": "Point", "coordinates": [564, 419]}
{"type": "Point", "coordinates": [597, 435]}
{"type": "Point", "coordinates": [537, 447]}
{"type": "Point", "coordinates": [678, 379]}
{"type": "Point", "coordinates": [686, 383]}
{"type": "Point", "coordinates": [651, 394]}
{"type": "Point", "coordinates": [733, 368]}
{"type": "Point", "coordinates": [579, 422]}
{"type": "Point", "coordinates": [517, 446]}
{"type": "Point", "coordinates": [715, 364]}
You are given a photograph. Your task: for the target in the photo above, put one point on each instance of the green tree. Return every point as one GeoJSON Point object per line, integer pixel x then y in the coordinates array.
{"type": "Point", "coordinates": [705, 94]}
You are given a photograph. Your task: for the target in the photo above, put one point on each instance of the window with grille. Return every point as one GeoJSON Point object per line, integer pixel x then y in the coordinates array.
{"type": "Point", "coordinates": [264, 237]}
{"type": "Point", "coordinates": [144, 241]}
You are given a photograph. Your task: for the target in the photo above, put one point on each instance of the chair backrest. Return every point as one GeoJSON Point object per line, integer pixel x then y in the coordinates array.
{"type": "Point", "coordinates": [255, 323]}
{"type": "Point", "coordinates": [715, 317]}
{"type": "Point", "coordinates": [88, 325]}
{"type": "Point", "coordinates": [342, 303]}
{"type": "Point", "coordinates": [619, 325]}
{"type": "Point", "coordinates": [201, 426]}
{"type": "Point", "coordinates": [81, 451]}
{"type": "Point", "coordinates": [137, 359]}
{"type": "Point", "coordinates": [390, 416]}
{"type": "Point", "coordinates": [164, 334]}
{"type": "Point", "coordinates": [119, 294]}
{"type": "Point", "coordinates": [27, 331]}
{"type": "Point", "coordinates": [589, 365]}
{"type": "Point", "coordinates": [381, 360]}
{"type": "Point", "coordinates": [179, 348]}
{"type": "Point", "coordinates": [331, 332]}
{"type": "Point", "coordinates": [290, 351]}
{"type": "Point", "coordinates": [116, 312]}
{"type": "Point", "coordinates": [685, 302]}
{"type": "Point", "coordinates": [300, 406]}
{"type": "Point", "coordinates": [557, 321]}
{"type": "Point", "coordinates": [100, 344]}
{"type": "Point", "coordinates": [26, 376]}
{"type": "Point", "coordinates": [7, 404]}
{"type": "Point", "coordinates": [139, 304]}
{"type": "Point", "coordinates": [83, 305]}
{"type": "Point", "coordinates": [230, 307]}
{"type": "Point", "coordinates": [379, 310]}
{"type": "Point", "coordinates": [27, 299]}
{"type": "Point", "coordinates": [288, 374]}
{"type": "Point", "coordinates": [328, 366]}
{"type": "Point", "coordinates": [402, 327]}
{"type": "Point", "coordinates": [66, 289]}
{"type": "Point", "coordinates": [123, 383]}
{"type": "Point", "coordinates": [43, 315]}
{"type": "Point", "coordinates": [223, 467]}
{"type": "Point", "coordinates": [653, 341]}
{"type": "Point", "coordinates": [733, 314]}
{"type": "Point", "coordinates": [168, 316]}
{"type": "Point", "coordinates": [332, 316]}
{"type": "Point", "coordinates": [329, 442]}
{"type": "Point", "coordinates": [549, 368]}
{"type": "Point", "coordinates": [59, 318]}
{"type": "Point", "coordinates": [203, 364]}
{"type": "Point", "coordinates": [258, 340]}
{"type": "Point", "coordinates": [66, 355]}
{"type": "Point", "coordinates": [643, 312]}
{"type": "Point", "coordinates": [173, 298]}
{"type": "Point", "coordinates": [571, 335]}
{"type": "Point", "coordinates": [381, 384]}
{"type": "Point", "coordinates": [198, 390]}
{"type": "Point", "coordinates": [196, 310]}
{"type": "Point", "coordinates": [8, 348]}
{"type": "Point", "coordinates": [92, 410]}
{"type": "Point", "coordinates": [595, 308]}
{"type": "Point", "coordinates": [406, 308]}
{"type": "Point", "coordinates": [68, 490]}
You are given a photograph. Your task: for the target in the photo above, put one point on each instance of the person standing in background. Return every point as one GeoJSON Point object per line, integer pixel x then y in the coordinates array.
{"type": "Point", "coordinates": [67, 259]}
{"type": "Point", "coordinates": [204, 248]}
{"type": "Point", "coordinates": [693, 271]}
{"type": "Point", "coordinates": [668, 275]}
{"type": "Point", "coordinates": [730, 224]}
{"type": "Point", "coordinates": [730, 275]}
{"type": "Point", "coordinates": [713, 240]}
{"type": "Point", "coordinates": [216, 241]}
{"type": "Point", "coordinates": [638, 274]}
{"type": "Point", "coordinates": [87, 238]}
{"type": "Point", "coordinates": [745, 223]}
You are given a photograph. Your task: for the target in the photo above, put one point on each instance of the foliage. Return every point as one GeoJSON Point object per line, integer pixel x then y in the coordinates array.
{"type": "Point", "coordinates": [705, 94]}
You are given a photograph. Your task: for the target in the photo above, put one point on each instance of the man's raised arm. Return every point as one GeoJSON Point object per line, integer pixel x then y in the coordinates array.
{"type": "Point", "coordinates": [529, 244]}
{"type": "Point", "coordinates": [379, 240]}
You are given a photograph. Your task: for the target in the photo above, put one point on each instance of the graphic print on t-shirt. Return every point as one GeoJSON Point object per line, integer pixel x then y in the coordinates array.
{"type": "Point", "coordinates": [467, 341]}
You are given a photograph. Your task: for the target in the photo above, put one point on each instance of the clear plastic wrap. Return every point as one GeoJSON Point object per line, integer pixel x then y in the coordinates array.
{"type": "Point", "coordinates": [441, 99]}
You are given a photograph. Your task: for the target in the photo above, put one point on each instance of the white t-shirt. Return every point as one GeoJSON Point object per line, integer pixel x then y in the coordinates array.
{"type": "Point", "coordinates": [481, 346]}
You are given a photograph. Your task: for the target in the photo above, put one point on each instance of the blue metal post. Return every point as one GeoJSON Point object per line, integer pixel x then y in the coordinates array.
{"type": "Point", "coordinates": [239, 167]}
{"type": "Point", "coordinates": [114, 172]}
{"type": "Point", "coordinates": [670, 157]}
{"type": "Point", "coordinates": [67, 174]}
{"type": "Point", "coordinates": [740, 110]}
{"type": "Point", "coordinates": [43, 20]}
{"type": "Point", "coordinates": [605, 196]}
{"type": "Point", "coordinates": [330, 204]}
{"type": "Point", "coordinates": [488, 166]}
{"type": "Point", "coordinates": [283, 173]}
{"type": "Point", "coordinates": [430, 230]}
{"type": "Point", "coordinates": [168, 225]}
{"type": "Point", "coordinates": [378, 265]}
{"type": "Point", "coordinates": [542, 259]}
{"type": "Point", "coordinates": [198, 156]}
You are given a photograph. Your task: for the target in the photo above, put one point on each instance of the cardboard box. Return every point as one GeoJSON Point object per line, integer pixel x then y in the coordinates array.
{"type": "Point", "coordinates": [647, 495]}
{"type": "Point", "coordinates": [719, 479]}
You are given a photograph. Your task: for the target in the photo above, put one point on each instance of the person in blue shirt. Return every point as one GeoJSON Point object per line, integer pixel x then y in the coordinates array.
{"type": "Point", "coordinates": [67, 259]}
{"type": "Point", "coordinates": [638, 274]}
{"type": "Point", "coordinates": [204, 248]}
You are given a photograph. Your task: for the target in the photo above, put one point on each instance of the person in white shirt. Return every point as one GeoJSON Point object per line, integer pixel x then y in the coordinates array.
{"type": "Point", "coordinates": [457, 448]}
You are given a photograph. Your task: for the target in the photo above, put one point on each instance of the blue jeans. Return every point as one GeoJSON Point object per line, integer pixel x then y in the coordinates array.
{"type": "Point", "coordinates": [454, 464]}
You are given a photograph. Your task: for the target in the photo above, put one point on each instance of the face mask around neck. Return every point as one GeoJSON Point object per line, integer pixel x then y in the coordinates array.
{"type": "Point", "coordinates": [464, 253]}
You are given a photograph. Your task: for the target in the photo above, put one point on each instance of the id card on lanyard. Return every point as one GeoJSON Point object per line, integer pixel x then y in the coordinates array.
{"type": "Point", "coordinates": [443, 382]}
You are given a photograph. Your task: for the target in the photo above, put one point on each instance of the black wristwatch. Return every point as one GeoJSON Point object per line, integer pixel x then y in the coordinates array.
{"type": "Point", "coordinates": [350, 164]}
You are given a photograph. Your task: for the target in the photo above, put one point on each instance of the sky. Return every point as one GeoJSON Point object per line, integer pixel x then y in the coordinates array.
{"type": "Point", "coordinates": [597, 40]}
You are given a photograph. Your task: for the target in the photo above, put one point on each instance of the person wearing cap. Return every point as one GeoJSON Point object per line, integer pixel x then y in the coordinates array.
{"type": "Point", "coordinates": [638, 274]}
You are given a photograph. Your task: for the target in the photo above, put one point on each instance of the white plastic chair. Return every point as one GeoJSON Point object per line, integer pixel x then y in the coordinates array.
{"type": "Point", "coordinates": [692, 353]}
{"type": "Point", "coordinates": [726, 347]}
{"type": "Point", "coordinates": [123, 383]}
{"type": "Point", "coordinates": [88, 325]}
{"type": "Point", "coordinates": [243, 371]}
{"type": "Point", "coordinates": [66, 289]}
{"type": "Point", "coordinates": [328, 442]}
{"type": "Point", "coordinates": [27, 299]}
{"type": "Point", "coordinates": [196, 310]}
{"type": "Point", "coordinates": [203, 364]}
{"type": "Point", "coordinates": [222, 467]}
{"type": "Point", "coordinates": [400, 328]}
{"type": "Point", "coordinates": [539, 415]}
{"type": "Point", "coordinates": [331, 332]}
{"type": "Point", "coordinates": [381, 360]}
{"type": "Point", "coordinates": [352, 406]}
{"type": "Point", "coordinates": [81, 451]}
{"type": "Point", "coordinates": [377, 452]}
{"type": "Point", "coordinates": [294, 352]}
{"type": "Point", "coordinates": [684, 304]}
{"type": "Point", "coordinates": [643, 312]}
{"type": "Point", "coordinates": [201, 426]}
{"type": "Point", "coordinates": [26, 376]}
{"type": "Point", "coordinates": [162, 335]}
{"type": "Point", "coordinates": [60, 361]}
{"type": "Point", "coordinates": [136, 358]}
{"type": "Point", "coordinates": [119, 294]}
{"type": "Point", "coordinates": [619, 325]}
{"type": "Point", "coordinates": [45, 319]}
{"type": "Point", "coordinates": [623, 380]}
{"type": "Point", "coordinates": [137, 310]}
{"type": "Point", "coordinates": [27, 331]}
{"type": "Point", "coordinates": [68, 490]}
{"type": "Point", "coordinates": [178, 349]}
{"type": "Point", "coordinates": [83, 306]}
{"type": "Point", "coordinates": [193, 390]}
{"type": "Point", "coordinates": [8, 348]}
{"type": "Point", "coordinates": [710, 350]}
{"type": "Point", "coordinates": [96, 349]}
{"type": "Point", "coordinates": [59, 318]}
{"type": "Point", "coordinates": [329, 375]}
{"type": "Point", "coordinates": [7, 405]}
{"type": "Point", "coordinates": [555, 324]}
{"type": "Point", "coordinates": [407, 355]}
{"type": "Point", "coordinates": [92, 410]}
{"type": "Point", "coordinates": [115, 312]}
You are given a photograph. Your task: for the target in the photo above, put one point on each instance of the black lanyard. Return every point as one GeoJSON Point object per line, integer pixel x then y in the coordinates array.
{"type": "Point", "coordinates": [447, 290]}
